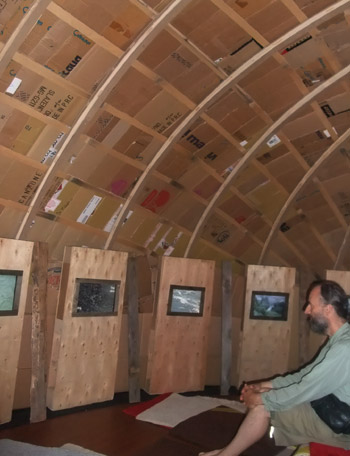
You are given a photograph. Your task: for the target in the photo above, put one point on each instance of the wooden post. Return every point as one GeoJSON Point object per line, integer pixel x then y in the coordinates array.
{"type": "Point", "coordinates": [226, 328]}
{"type": "Point", "coordinates": [38, 382]}
{"type": "Point", "coordinates": [133, 333]}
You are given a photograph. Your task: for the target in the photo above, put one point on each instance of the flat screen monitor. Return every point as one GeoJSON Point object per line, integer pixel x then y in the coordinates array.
{"type": "Point", "coordinates": [269, 305]}
{"type": "Point", "coordinates": [10, 289]}
{"type": "Point", "coordinates": [185, 300]}
{"type": "Point", "coordinates": [95, 297]}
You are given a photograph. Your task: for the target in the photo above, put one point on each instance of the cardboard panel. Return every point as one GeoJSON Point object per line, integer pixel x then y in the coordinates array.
{"type": "Point", "coordinates": [133, 92]}
{"type": "Point", "coordinates": [10, 16]}
{"type": "Point", "coordinates": [159, 50]}
{"type": "Point", "coordinates": [273, 21]}
{"type": "Point", "coordinates": [127, 23]}
{"type": "Point", "coordinates": [226, 35]}
{"type": "Point", "coordinates": [85, 349]}
{"type": "Point", "coordinates": [177, 356]}
{"type": "Point", "coordinates": [162, 112]}
{"type": "Point", "coordinates": [157, 196]}
{"type": "Point", "coordinates": [14, 255]}
{"type": "Point", "coordinates": [267, 340]}
{"type": "Point", "coordinates": [92, 68]}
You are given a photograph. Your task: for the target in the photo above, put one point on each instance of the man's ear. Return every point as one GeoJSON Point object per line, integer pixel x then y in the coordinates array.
{"type": "Point", "coordinates": [329, 309]}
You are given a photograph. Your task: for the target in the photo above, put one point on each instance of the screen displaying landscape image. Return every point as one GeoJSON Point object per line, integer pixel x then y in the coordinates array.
{"type": "Point", "coordinates": [269, 305]}
{"type": "Point", "coordinates": [96, 297]}
{"type": "Point", "coordinates": [9, 292]}
{"type": "Point", "coordinates": [185, 300]}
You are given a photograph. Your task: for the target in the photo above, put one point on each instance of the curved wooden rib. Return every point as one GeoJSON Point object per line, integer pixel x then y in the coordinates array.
{"type": "Point", "coordinates": [233, 78]}
{"type": "Point", "coordinates": [342, 250]}
{"type": "Point", "coordinates": [262, 140]}
{"type": "Point", "coordinates": [321, 161]}
{"type": "Point", "coordinates": [24, 27]}
{"type": "Point", "coordinates": [95, 103]}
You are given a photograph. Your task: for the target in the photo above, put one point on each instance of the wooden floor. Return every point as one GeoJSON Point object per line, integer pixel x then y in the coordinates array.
{"type": "Point", "coordinates": [105, 430]}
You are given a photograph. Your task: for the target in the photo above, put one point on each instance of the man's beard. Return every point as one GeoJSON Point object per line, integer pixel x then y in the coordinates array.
{"type": "Point", "coordinates": [318, 325]}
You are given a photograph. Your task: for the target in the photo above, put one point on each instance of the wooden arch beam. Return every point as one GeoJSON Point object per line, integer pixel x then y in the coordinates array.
{"type": "Point", "coordinates": [94, 104]}
{"type": "Point", "coordinates": [251, 153]}
{"type": "Point", "coordinates": [342, 250]}
{"type": "Point", "coordinates": [214, 95]}
{"type": "Point", "coordinates": [312, 171]}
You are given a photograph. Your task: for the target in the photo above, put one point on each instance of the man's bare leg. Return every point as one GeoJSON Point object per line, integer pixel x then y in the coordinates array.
{"type": "Point", "coordinates": [251, 430]}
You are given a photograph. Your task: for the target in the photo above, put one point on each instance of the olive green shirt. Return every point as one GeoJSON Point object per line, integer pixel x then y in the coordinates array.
{"type": "Point", "coordinates": [328, 373]}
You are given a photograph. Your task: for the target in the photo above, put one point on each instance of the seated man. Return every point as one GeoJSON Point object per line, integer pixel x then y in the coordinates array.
{"type": "Point", "coordinates": [285, 400]}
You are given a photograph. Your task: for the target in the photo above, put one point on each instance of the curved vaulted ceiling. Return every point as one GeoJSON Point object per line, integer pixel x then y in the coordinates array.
{"type": "Point", "coordinates": [205, 128]}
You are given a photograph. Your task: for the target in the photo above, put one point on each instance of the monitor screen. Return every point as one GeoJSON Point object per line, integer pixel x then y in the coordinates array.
{"type": "Point", "coordinates": [266, 305]}
{"type": "Point", "coordinates": [10, 288]}
{"type": "Point", "coordinates": [184, 300]}
{"type": "Point", "coordinates": [96, 297]}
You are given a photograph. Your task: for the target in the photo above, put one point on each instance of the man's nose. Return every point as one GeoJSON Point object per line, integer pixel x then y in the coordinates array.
{"type": "Point", "coordinates": [307, 309]}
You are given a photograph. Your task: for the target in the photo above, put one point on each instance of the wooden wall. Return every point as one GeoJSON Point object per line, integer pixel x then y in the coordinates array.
{"type": "Point", "coordinates": [266, 344]}
{"type": "Point", "coordinates": [178, 344]}
{"type": "Point", "coordinates": [14, 255]}
{"type": "Point", "coordinates": [85, 349]}
{"type": "Point", "coordinates": [147, 284]}
{"type": "Point", "coordinates": [342, 277]}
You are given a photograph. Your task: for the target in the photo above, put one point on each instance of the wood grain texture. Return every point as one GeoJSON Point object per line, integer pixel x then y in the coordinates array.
{"type": "Point", "coordinates": [133, 333]}
{"type": "Point", "coordinates": [266, 343]}
{"type": "Point", "coordinates": [226, 328]}
{"type": "Point", "coordinates": [178, 348]}
{"type": "Point", "coordinates": [38, 381]}
{"type": "Point", "coordinates": [341, 277]}
{"type": "Point", "coordinates": [14, 255]}
{"type": "Point", "coordinates": [85, 349]}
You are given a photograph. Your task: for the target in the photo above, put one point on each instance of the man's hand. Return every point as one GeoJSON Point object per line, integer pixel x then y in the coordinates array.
{"type": "Point", "coordinates": [251, 398]}
{"type": "Point", "coordinates": [256, 387]}
{"type": "Point", "coordinates": [251, 394]}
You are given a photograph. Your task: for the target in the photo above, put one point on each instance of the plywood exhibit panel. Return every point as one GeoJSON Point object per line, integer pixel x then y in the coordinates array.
{"type": "Point", "coordinates": [86, 340]}
{"type": "Point", "coordinates": [14, 256]}
{"type": "Point", "coordinates": [178, 341]}
{"type": "Point", "coordinates": [267, 330]}
{"type": "Point", "coordinates": [341, 277]}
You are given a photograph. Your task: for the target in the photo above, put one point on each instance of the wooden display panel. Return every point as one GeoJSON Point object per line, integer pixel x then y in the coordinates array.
{"type": "Point", "coordinates": [266, 343]}
{"type": "Point", "coordinates": [85, 348]}
{"type": "Point", "coordinates": [178, 344]}
{"type": "Point", "coordinates": [341, 277]}
{"type": "Point", "coordinates": [14, 255]}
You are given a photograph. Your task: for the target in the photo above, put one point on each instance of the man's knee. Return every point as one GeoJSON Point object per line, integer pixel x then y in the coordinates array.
{"type": "Point", "coordinates": [260, 411]}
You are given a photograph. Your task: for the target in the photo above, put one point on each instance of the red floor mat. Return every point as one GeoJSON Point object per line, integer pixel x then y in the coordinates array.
{"type": "Point", "coordinates": [317, 449]}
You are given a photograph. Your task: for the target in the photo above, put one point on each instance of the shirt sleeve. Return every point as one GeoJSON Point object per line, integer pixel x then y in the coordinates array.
{"type": "Point", "coordinates": [285, 380]}
{"type": "Point", "coordinates": [329, 371]}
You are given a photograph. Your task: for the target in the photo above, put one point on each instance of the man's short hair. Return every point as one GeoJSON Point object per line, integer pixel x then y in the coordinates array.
{"type": "Point", "coordinates": [332, 293]}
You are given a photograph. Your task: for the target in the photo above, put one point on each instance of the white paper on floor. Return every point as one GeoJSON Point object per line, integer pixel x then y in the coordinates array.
{"type": "Point", "coordinates": [177, 408]}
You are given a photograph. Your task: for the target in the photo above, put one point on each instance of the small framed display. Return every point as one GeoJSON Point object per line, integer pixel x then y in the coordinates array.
{"type": "Point", "coordinates": [10, 290]}
{"type": "Point", "coordinates": [269, 305]}
{"type": "Point", "coordinates": [95, 297]}
{"type": "Point", "coordinates": [185, 300]}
